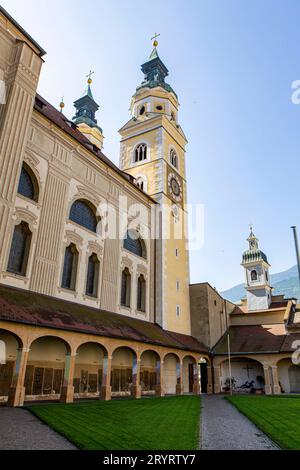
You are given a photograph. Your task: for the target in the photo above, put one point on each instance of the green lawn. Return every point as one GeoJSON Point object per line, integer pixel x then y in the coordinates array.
{"type": "Point", "coordinates": [168, 423]}
{"type": "Point", "coordinates": [278, 417]}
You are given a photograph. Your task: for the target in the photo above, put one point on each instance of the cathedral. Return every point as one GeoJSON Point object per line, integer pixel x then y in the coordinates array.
{"type": "Point", "coordinates": [95, 297]}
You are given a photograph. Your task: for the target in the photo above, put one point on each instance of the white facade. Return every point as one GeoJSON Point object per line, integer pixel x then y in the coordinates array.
{"type": "Point", "coordinates": [257, 282]}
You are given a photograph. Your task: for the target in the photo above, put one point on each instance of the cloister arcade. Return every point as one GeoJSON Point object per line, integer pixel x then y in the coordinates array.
{"type": "Point", "coordinates": [261, 373]}
{"type": "Point", "coordinates": [43, 364]}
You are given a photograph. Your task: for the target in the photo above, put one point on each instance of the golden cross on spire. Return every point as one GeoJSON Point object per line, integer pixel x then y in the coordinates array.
{"type": "Point", "coordinates": [155, 43]}
{"type": "Point", "coordinates": [89, 75]}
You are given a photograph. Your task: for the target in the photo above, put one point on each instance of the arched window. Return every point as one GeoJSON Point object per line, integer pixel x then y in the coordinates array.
{"type": "Point", "coordinates": [141, 182]}
{"type": "Point", "coordinates": [28, 185]}
{"type": "Point", "coordinates": [253, 275]}
{"type": "Point", "coordinates": [140, 153]}
{"type": "Point", "coordinates": [141, 294]}
{"type": "Point", "coordinates": [84, 214]}
{"type": "Point", "coordinates": [19, 250]}
{"type": "Point", "coordinates": [142, 110]}
{"type": "Point", "coordinates": [92, 276]}
{"type": "Point", "coordinates": [134, 243]}
{"type": "Point", "coordinates": [125, 288]}
{"type": "Point", "coordinates": [173, 158]}
{"type": "Point", "coordinates": [70, 267]}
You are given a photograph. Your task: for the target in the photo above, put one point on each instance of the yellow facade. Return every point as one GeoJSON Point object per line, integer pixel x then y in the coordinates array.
{"type": "Point", "coordinates": [158, 128]}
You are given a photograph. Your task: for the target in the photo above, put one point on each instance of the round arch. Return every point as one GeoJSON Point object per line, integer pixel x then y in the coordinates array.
{"type": "Point", "coordinates": [9, 345]}
{"type": "Point", "coordinates": [150, 365]}
{"type": "Point", "coordinates": [247, 375]}
{"type": "Point", "coordinates": [134, 243]}
{"type": "Point", "coordinates": [123, 370]}
{"type": "Point", "coordinates": [96, 343]}
{"type": "Point", "coordinates": [141, 152]}
{"type": "Point", "coordinates": [288, 375]}
{"type": "Point", "coordinates": [45, 367]}
{"type": "Point", "coordinates": [4, 332]}
{"type": "Point", "coordinates": [171, 372]}
{"type": "Point", "coordinates": [88, 371]}
{"type": "Point", "coordinates": [84, 213]}
{"type": "Point", "coordinates": [51, 336]}
{"type": "Point", "coordinates": [28, 183]}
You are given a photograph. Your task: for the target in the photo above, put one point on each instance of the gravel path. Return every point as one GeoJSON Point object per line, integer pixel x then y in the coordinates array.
{"type": "Point", "coordinates": [225, 428]}
{"type": "Point", "coordinates": [19, 430]}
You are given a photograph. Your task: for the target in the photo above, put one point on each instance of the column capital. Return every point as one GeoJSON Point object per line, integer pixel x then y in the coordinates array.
{"type": "Point", "coordinates": [25, 350]}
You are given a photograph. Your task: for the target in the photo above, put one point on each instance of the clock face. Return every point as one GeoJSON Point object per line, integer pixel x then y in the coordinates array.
{"type": "Point", "coordinates": [175, 187]}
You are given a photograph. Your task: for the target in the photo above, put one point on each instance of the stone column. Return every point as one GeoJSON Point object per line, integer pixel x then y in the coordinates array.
{"type": "Point", "coordinates": [276, 386]}
{"type": "Point", "coordinates": [217, 377]}
{"type": "Point", "coordinates": [268, 386]}
{"type": "Point", "coordinates": [159, 379]}
{"type": "Point", "coordinates": [196, 384]}
{"type": "Point", "coordinates": [16, 392]}
{"type": "Point", "coordinates": [136, 373]}
{"type": "Point", "coordinates": [105, 392]}
{"type": "Point", "coordinates": [21, 81]}
{"type": "Point", "coordinates": [179, 378]}
{"type": "Point", "coordinates": [209, 380]}
{"type": "Point", "coordinates": [67, 391]}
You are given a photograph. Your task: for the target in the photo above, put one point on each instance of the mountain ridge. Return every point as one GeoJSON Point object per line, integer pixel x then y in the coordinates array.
{"type": "Point", "coordinates": [285, 282]}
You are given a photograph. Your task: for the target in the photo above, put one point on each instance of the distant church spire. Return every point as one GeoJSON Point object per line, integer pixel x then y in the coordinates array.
{"type": "Point", "coordinates": [254, 253]}
{"type": "Point", "coordinates": [86, 108]}
{"type": "Point", "coordinates": [256, 267]}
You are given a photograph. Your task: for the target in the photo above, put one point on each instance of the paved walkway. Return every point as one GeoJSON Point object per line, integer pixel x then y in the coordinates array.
{"type": "Point", "coordinates": [19, 429]}
{"type": "Point", "coordinates": [225, 428]}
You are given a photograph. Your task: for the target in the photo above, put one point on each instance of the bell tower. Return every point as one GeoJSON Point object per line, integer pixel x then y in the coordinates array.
{"type": "Point", "coordinates": [86, 108]}
{"type": "Point", "coordinates": [257, 276]}
{"type": "Point", "coordinates": [153, 152]}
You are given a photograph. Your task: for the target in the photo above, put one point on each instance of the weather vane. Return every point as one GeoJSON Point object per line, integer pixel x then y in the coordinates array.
{"type": "Point", "coordinates": [89, 75]}
{"type": "Point", "coordinates": [155, 43]}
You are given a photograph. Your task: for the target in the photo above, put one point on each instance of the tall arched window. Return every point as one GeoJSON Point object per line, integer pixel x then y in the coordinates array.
{"type": "Point", "coordinates": [141, 294]}
{"type": "Point", "coordinates": [141, 182]}
{"type": "Point", "coordinates": [70, 267]}
{"type": "Point", "coordinates": [92, 276]}
{"type": "Point", "coordinates": [125, 288]}
{"type": "Point", "coordinates": [253, 275]}
{"type": "Point", "coordinates": [28, 185]}
{"type": "Point", "coordinates": [140, 153]}
{"type": "Point", "coordinates": [134, 243]}
{"type": "Point", "coordinates": [19, 250]}
{"type": "Point", "coordinates": [173, 158]}
{"type": "Point", "coordinates": [84, 214]}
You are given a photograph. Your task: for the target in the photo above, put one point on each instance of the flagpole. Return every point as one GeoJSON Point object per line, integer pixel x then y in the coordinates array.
{"type": "Point", "coordinates": [229, 362]}
{"type": "Point", "coordinates": [297, 250]}
{"type": "Point", "coordinates": [228, 346]}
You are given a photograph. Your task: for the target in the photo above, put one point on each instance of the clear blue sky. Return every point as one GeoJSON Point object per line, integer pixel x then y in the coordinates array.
{"type": "Point", "coordinates": [232, 63]}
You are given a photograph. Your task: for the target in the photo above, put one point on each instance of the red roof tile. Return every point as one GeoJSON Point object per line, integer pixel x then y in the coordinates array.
{"type": "Point", "coordinates": [257, 339]}
{"type": "Point", "coordinates": [58, 118]}
{"type": "Point", "coordinates": [21, 306]}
